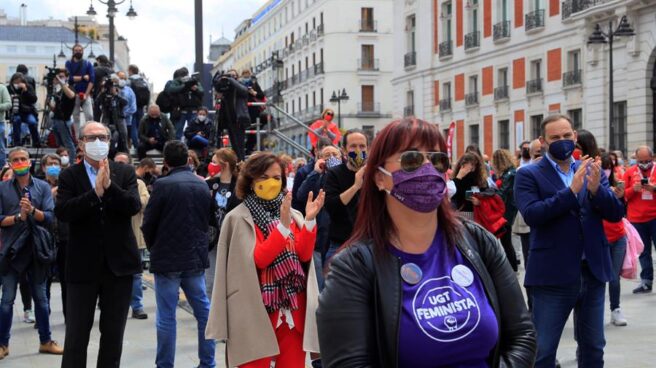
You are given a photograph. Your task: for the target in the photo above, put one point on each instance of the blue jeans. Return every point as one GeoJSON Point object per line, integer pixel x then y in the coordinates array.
{"type": "Point", "coordinates": [647, 231]}
{"type": "Point", "coordinates": [9, 283]}
{"type": "Point", "coordinates": [17, 121]}
{"type": "Point", "coordinates": [551, 308]}
{"type": "Point", "coordinates": [133, 130]}
{"type": "Point", "coordinates": [3, 144]}
{"type": "Point", "coordinates": [617, 252]}
{"type": "Point", "coordinates": [136, 302]}
{"type": "Point", "coordinates": [166, 296]}
{"type": "Point", "coordinates": [63, 135]}
{"type": "Point", "coordinates": [185, 116]}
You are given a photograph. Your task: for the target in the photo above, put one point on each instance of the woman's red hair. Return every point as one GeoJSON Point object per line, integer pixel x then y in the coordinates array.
{"type": "Point", "coordinates": [373, 222]}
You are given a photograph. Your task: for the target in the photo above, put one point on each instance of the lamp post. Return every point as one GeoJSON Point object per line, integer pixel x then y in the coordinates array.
{"type": "Point", "coordinates": [597, 37]}
{"type": "Point", "coordinates": [112, 10]}
{"type": "Point", "coordinates": [335, 98]}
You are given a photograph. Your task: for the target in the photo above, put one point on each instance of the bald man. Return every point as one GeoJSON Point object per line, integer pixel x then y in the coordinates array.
{"type": "Point", "coordinates": [155, 129]}
{"type": "Point", "coordinates": [98, 198]}
{"type": "Point", "coordinates": [640, 183]}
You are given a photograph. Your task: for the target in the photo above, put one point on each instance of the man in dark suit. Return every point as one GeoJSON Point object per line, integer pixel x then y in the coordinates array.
{"type": "Point", "coordinates": [564, 202]}
{"type": "Point", "coordinates": [98, 199]}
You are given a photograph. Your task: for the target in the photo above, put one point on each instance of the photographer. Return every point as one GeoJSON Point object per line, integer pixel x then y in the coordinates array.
{"type": "Point", "coordinates": [198, 133]}
{"type": "Point", "coordinates": [22, 110]}
{"type": "Point", "coordinates": [62, 104]}
{"type": "Point", "coordinates": [189, 93]}
{"type": "Point", "coordinates": [155, 130]}
{"type": "Point", "coordinates": [103, 70]}
{"type": "Point", "coordinates": [255, 95]}
{"type": "Point", "coordinates": [5, 106]}
{"type": "Point", "coordinates": [130, 109]}
{"type": "Point", "coordinates": [233, 114]}
{"type": "Point", "coordinates": [112, 106]}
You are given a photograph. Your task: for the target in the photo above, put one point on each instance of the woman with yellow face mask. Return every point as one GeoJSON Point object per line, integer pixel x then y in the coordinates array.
{"type": "Point", "coordinates": [265, 288]}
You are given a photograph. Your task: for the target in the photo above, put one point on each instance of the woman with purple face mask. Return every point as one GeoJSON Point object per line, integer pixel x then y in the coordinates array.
{"type": "Point", "coordinates": [415, 286]}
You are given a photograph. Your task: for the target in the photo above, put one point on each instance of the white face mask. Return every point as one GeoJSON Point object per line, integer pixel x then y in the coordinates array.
{"type": "Point", "coordinates": [16, 86]}
{"type": "Point", "coordinates": [65, 160]}
{"type": "Point", "coordinates": [202, 118]}
{"type": "Point", "coordinates": [96, 150]}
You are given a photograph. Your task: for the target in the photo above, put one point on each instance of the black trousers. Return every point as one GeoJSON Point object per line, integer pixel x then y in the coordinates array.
{"type": "Point", "coordinates": [144, 147]}
{"type": "Point", "coordinates": [237, 133]}
{"type": "Point", "coordinates": [114, 293]}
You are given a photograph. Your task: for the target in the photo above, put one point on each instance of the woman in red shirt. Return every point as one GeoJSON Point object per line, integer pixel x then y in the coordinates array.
{"type": "Point", "coordinates": [265, 290]}
{"type": "Point", "coordinates": [325, 127]}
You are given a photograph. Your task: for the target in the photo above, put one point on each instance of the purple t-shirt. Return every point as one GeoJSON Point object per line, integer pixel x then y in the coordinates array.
{"type": "Point", "coordinates": [446, 318]}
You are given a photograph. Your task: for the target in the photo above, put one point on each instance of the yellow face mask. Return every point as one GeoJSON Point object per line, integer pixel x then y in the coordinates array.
{"type": "Point", "coordinates": [268, 189]}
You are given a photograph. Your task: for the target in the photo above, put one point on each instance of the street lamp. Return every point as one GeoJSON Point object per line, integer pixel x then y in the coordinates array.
{"type": "Point", "coordinates": [600, 37]}
{"type": "Point", "coordinates": [338, 99]}
{"type": "Point", "coordinates": [112, 10]}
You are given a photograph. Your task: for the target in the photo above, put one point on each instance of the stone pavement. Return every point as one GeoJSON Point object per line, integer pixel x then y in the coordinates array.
{"type": "Point", "coordinates": [627, 347]}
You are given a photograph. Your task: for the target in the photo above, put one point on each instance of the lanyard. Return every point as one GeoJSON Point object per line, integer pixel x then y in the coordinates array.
{"type": "Point", "coordinates": [650, 174]}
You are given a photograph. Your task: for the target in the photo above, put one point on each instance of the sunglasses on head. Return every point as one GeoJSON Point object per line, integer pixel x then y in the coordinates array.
{"type": "Point", "coordinates": [330, 113]}
{"type": "Point", "coordinates": [413, 160]}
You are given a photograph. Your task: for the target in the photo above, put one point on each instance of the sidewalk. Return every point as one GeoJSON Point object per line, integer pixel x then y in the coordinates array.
{"type": "Point", "coordinates": [627, 347]}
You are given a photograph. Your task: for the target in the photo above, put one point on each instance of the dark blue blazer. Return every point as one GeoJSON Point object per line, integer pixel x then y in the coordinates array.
{"type": "Point", "coordinates": [564, 225]}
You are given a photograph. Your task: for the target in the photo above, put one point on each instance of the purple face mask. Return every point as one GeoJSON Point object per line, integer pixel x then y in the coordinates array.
{"type": "Point", "coordinates": [421, 190]}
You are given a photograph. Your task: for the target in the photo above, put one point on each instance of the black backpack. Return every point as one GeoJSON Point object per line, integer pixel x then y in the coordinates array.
{"type": "Point", "coordinates": [165, 102]}
{"type": "Point", "coordinates": [141, 91]}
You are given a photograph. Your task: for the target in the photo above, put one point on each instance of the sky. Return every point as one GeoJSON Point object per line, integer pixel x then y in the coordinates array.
{"type": "Point", "coordinates": [161, 37]}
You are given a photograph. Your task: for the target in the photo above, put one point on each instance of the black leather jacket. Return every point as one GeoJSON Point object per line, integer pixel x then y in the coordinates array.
{"type": "Point", "coordinates": [359, 308]}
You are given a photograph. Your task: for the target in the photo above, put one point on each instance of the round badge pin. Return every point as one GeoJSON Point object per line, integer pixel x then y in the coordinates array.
{"type": "Point", "coordinates": [411, 273]}
{"type": "Point", "coordinates": [462, 275]}
{"type": "Point", "coordinates": [215, 186]}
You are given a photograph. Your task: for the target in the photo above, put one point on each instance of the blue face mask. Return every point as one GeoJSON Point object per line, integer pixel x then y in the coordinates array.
{"type": "Point", "coordinates": [562, 150]}
{"type": "Point", "coordinates": [333, 161]}
{"type": "Point", "coordinates": [53, 171]}
{"type": "Point", "coordinates": [633, 162]}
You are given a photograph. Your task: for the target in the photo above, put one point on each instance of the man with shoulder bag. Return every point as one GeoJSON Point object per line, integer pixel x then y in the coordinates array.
{"type": "Point", "coordinates": [26, 207]}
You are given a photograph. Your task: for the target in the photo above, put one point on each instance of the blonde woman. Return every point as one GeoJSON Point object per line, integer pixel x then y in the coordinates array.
{"type": "Point", "coordinates": [503, 164]}
{"type": "Point", "coordinates": [325, 127]}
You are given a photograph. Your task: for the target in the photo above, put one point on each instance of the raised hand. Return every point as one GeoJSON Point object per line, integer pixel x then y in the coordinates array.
{"type": "Point", "coordinates": [106, 180]}
{"type": "Point", "coordinates": [359, 177]}
{"type": "Point", "coordinates": [286, 211]}
{"type": "Point", "coordinates": [579, 176]}
{"type": "Point", "coordinates": [313, 206]}
{"type": "Point", "coordinates": [25, 206]}
{"type": "Point", "coordinates": [320, 165]}
{"type": "Point", "coordinates": [594, 176]}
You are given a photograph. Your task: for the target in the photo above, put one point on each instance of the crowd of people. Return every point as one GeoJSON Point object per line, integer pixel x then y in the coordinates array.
{"type": "Point", "coordinates": [376, 251]}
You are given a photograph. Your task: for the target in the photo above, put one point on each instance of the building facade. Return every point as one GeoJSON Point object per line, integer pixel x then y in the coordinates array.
{"type": "Point", "coordinates": [303, 50]}
{"type": "Point", "coordinates": [497, 68]}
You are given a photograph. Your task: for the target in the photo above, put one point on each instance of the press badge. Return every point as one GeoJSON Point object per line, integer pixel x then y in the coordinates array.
{"type": "Point", "coordinates": [647, 195]}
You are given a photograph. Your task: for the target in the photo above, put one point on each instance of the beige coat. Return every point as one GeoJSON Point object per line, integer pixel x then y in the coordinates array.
{"type": "Point", "coordinates": [237, 312]}
{"type": "Point", "coordinates": [137, 219]}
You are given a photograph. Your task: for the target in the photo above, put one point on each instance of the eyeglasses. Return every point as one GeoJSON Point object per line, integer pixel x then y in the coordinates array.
{"type": "Point", "coordinates": [91, 138]}
{"type": "Point", "coordinates": [413, 160]}
{"type": "Point", "coordinates": [330, 113]}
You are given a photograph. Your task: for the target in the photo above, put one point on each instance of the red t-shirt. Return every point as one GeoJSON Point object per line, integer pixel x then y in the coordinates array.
{"type": "Point", "coordinates": [639, 207]}
{"type": "Point", "coordinates": [614, 230]}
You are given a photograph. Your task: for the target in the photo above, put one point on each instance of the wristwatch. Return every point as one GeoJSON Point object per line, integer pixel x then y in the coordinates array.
{"type": "Point", "coordinates": [33, 211]}
{"type": "Point", "coordinates": [17, 218]}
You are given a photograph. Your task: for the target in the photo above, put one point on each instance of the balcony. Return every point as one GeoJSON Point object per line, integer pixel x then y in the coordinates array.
{"type": "Point", "coordinates": [368, 25]}
{"type": "Point", "coordinates": [501, 93]}
{"type": "Point", "coordinates": [446, 48]}
{"type": "Point", "coordinates": [369, 108]}
{"type": "Point", "coordinates": [320, 30]}
{"type": "Point", "coordinates": [295, 80]}
{"type": "Point", "coordinates": [534, 20]}
{"type": "Point", "coordinates": [409, 110]}
{"type": "Point", "coordinates": [313, 36]}
{"type": "Point", "coordinates": [370, 65]}
{"type": "Point", "coordinates": [572, 78]}
{"type": "Point", "coordinates": [571, 7]}
{"type": "Point", "coordinates": [318, 68]}
{"type": "Point", "coordinates": [306, 40]}
{"type": "Point", "coordinates": [534, 86]}
{"type": "Point", "coordinates": [410, 59]}
{"type": "Point", "coordinates": [502, 30]}
{"type": "Point", "coordinates": [315, 111]}
{"type": "Point", "coordinates": [471, 99]}
{"type": "Point", "coordinates": [445, 104]}
{"type": "Point", "coordinates": [472, 40]}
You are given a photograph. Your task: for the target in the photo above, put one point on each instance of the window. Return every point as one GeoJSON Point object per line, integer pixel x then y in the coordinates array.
{"type": "Point", "coordinates": [502, 10]}
{"type": "Point", "coordinates": [410, 32]}
{"type": "Point", "coordinates": [446, 21]}
{"type": "Point", "coordinates": [369, 131]}
{"type": "Point", "coordinates": [473, 134]}
{"type": "Point", "coordinates": [446, 90]}
{"type": "Point", "coordinates": [502, 77]}
{"type": "Point", "coordinates": [367, 20]}
{"type": "Point", "coordinates": [577, 118]}
{"type": "Point", "coordinates": [368, 99]}
{"type": "Point", "coordinates": [307, 101]}
{"type": "Point", "coordinates": [314, 23]}
{"type": "Point", "coordinates": [536, 121]}
{"type": "Point", "coordinates": [409, 109]}
{"type": "Point", "coordinates": [534, 5]}
{"type": "Point", "coordinates": [367, 57]}
{"type": "Point", "coordinates": [473, 84]}
{"type": "Point", "coordinates": [314, 98]}
{"type": "Point", "coordinates": [618, 127]}
{"type": "Point", "coordinates": [504, 134]}
{"type": "Point", "coordinates": [574, 60]}
{"type": "Point", "coordinates": [536, 69]}
{"type": "Point", "coordinates": [321, 96]}
{"type": "Point", "coordinates": [473, 16]}
{"type": "Point", "coordinates": [293, 106]}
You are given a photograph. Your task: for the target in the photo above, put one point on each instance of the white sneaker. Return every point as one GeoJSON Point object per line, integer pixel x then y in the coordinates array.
{"type": "Point", "coordinates": [617, 318]}
{"type": "Point", "coordinates": [28, 316]}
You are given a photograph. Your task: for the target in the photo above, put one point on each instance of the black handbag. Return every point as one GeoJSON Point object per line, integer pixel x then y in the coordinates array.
{"type": "Point", "coordinates": [45, 246]}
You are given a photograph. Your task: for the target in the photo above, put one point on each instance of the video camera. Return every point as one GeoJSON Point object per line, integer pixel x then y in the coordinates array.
{"type": "Point", "coordinates": [192, 80]}
{"type": "Point", "coordinates": [49, 79]}
{"type": "Point", "coordinates": [222, 82]}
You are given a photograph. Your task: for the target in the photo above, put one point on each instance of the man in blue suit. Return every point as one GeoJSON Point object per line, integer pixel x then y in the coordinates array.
{"type": "Point", "coordinates": [564, 202]}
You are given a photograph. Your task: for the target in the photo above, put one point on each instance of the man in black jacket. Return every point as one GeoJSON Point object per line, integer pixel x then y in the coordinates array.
{"type": "Point", "coordinates": [188, 92]}
{"type": "Point", "coordinates": [103, 69]}
{"type": "Point", "coordinates": [233, 114]}
{"type": "Point", "coordinates": [23, 98]}
{"type": "Point", "coordinates": [155, 130]}
{"type": "Point", "coordinates": [175, 227]}
{"type": "Point", "coordinates": [98, 198]}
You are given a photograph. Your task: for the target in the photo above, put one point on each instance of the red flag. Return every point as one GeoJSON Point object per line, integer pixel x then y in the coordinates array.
{"type": "Point", "coordinates": [449, 139]}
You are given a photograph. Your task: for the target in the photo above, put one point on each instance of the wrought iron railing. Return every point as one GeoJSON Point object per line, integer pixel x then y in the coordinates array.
{"type": "Point", "coordinates": [445, 104]}
{"type": "Point", "coordinates": [446, 48]}
{"type": "Point", "coordinates": [501, 30]}
{"type": "Point", "coordinates": [534, 19]}
{"type": "Point", "coordinates": [572, 77]}
{"type": "Point", "coordinates": [410, 59]}
{"type": "Point", "coordinates": [472, 40]}
{"type": "Point", "coordinates": [501, 93]}
{"type": "Point", "coordinates": [534, 86]}
{"type": "Point", "coordinates": [471, 99]}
